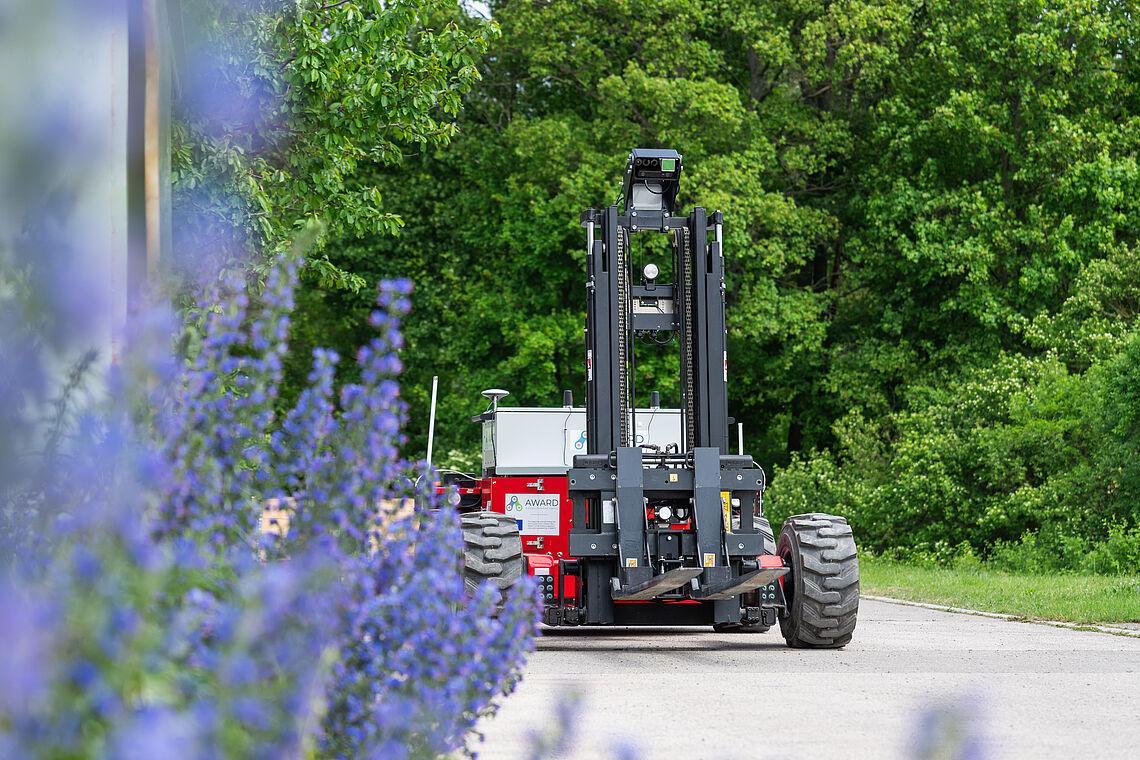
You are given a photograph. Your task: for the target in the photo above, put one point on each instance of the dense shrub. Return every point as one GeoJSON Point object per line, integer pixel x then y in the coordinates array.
{"type": "Point", "coordinates": [1027, 462]}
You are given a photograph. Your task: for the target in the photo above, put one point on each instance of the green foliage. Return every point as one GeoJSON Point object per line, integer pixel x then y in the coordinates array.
{"type": "Point", "coordinates": [1119, 465]}
{"type": "Point", "coordinates": [1001, 164]}
{"type": "Point", "coordinates": [1118, 554]}
{"type": "Point", "coordinates": [1050, 551]}
{"type": "Point", "coordinates": [285, 103]}
{"type": "Point", "coordinates": [931, 245]}
{"type": "Point", "coordinates": [1093, 322]}
{"type": "Point", "coordinates": [493, 240]}
{"type": "Point", "coordinates": [1024, 462]}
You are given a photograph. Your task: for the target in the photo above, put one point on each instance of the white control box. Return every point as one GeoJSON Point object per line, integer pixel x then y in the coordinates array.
{"type": "Point", "coordinates": [538, 441]}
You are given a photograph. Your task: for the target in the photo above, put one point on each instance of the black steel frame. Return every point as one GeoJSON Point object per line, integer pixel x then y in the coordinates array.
{"type": "Point", "coordinates": [609, 486]}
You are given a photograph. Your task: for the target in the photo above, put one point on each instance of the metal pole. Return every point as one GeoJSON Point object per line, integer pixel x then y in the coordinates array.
{"type": "Point", "coordinates": [740, 438]}
{"type": "Point", "coordinates": [431, 424]}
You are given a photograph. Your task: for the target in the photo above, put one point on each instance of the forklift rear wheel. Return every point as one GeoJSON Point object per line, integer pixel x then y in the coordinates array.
{"type": "Point", "coordinates": [492, 550]}
{"type": "Point", "coordinates": [760, 525]}
{"type": "Point", "coordinates": [821, 589]}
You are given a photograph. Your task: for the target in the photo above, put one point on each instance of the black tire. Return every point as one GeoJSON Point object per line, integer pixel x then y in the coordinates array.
{"type": "Point", "coordinates": [492, 551]}
{"type": "Point", "coordinates": [822, 587]}
{"type": "Point", "coordinates": [760, 524]}
{"type": "Point", "coordinates": [749, 599]}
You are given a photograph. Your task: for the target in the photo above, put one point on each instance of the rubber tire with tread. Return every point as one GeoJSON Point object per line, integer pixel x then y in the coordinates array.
{"type": "Point", "coordinates": [762, 526]}
{"type": "Point", "coordinates": [492, 550]}
{"type": "Point", "coordinates": [822, 587]}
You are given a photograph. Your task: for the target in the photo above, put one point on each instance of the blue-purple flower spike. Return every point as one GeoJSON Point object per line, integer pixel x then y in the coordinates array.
{"type": "Point", "coordinates": [348, 632]}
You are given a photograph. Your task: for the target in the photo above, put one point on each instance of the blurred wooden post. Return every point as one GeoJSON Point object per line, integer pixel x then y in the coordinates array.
{"type": "Point", "coordinates": [156, 133]}
{"type": "Point", "coordinates": [149, 77]}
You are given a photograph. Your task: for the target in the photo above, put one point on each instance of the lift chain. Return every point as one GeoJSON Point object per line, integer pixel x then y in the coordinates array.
{"type": "Point", "coordinates": [623, 338]}
{"type": "Point", "coordinates": [687, 371]}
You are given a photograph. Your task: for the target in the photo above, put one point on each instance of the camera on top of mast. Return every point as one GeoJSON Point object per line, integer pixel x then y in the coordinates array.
{"type": "Point", "coordinates": [652, 177]}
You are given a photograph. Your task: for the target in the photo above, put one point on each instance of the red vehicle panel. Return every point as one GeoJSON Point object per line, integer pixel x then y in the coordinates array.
{"type": "Point", "coordinates": [541, 507]}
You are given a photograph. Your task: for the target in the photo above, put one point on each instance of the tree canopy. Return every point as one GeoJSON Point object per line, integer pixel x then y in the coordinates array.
{"type": "Point", "coordinates": [282, 105]}
{"type": "Point", "coordinates": [931, 221]}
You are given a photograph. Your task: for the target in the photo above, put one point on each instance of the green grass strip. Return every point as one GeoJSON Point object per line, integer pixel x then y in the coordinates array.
{"type": "Point", "coordinates": [1073, 598]}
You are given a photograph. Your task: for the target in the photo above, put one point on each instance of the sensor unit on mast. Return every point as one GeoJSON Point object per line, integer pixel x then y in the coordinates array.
{"type": "Point", "coordinates": [652, 178]}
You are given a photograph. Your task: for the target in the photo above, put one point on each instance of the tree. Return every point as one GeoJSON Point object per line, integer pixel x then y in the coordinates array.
{"type": "Point", "coordinates": [283, 103]}
{"type": "Point", "coordinates": [496, 249]}
{"type": "Point", "coordinates": [919, 197]}
{"type": "Point", "coordinates": [991, 277]}
{"type": "Point", "coordinates": [1003, 165]}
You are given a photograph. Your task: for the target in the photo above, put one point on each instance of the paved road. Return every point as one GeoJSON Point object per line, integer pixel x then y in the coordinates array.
{"type": "Point", "coordinates": [1022, 690]}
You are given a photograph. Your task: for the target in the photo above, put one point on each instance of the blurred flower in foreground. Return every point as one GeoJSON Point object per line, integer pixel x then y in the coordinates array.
{"type": "Point", "coordinates": [951, 730]}
{"type": "Point", "coordinates": [141, 607]}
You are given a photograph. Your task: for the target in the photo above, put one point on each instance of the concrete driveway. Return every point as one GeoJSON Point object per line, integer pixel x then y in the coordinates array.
{"type": "Point", "coordinates": [913, 683]}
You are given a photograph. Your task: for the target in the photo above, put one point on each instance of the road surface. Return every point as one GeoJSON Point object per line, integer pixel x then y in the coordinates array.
{"type": "Point", "coordinates": [911, 679]}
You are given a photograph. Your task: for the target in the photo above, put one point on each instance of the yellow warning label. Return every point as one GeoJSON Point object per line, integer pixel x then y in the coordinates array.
{"type": "Point", "coordinates": [631, 562]}
{"type": "Point", "coordinates": [672, 477]}
{"type": "Point", "coordinates": [725, 501]}
{"type": "Point", "coordinates": [710, 559]}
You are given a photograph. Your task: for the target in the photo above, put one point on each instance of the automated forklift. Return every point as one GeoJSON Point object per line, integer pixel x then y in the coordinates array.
{"type": "Point", "coordinates": [643, 516]}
